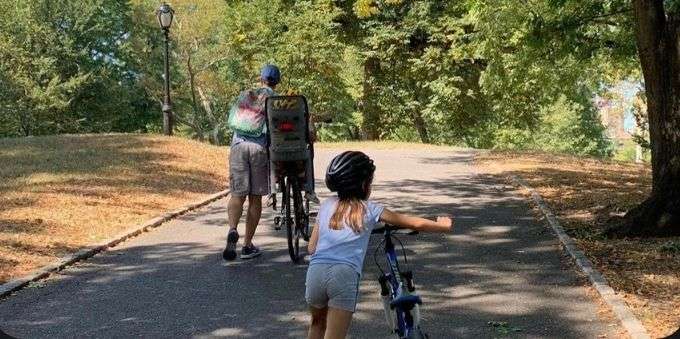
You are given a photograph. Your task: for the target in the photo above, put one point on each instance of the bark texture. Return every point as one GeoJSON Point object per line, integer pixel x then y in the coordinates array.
{"type": "Point", "coordinates": [657, 34]}
{"type": "Point", "coordinates": [370, 129]}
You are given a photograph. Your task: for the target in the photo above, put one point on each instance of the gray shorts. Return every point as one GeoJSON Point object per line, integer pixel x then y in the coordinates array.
{"type": "Point", "coordinates": [332, 285]}
{"type": "Point", "coordinates": [248, 169]}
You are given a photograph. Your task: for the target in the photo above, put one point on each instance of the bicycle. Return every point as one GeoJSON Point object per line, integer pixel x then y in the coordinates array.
{"type": "Point", "coordinates": [400, 304]}
{"type": "Point", "coordinates": [288, 120]}
{"type": "Point", "coordinates": [297, 227]}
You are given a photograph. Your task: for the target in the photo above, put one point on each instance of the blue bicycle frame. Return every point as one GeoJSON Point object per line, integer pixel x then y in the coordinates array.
{"type": "Point", "coordinates": [397, 287]}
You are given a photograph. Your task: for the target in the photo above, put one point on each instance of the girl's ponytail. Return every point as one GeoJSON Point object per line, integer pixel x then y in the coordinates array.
{"type": "Point", "coordinates": [350, 175]}
{"type": "Point", "coordinates": [349, 211]}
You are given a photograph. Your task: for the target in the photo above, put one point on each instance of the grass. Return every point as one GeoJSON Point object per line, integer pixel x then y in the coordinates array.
{"type": "Point", "coordinates": [626, 151]}
{"type": "Point", "coordinates": [60, 193]}
{"type": "Point", "coordinates": [585, 193]}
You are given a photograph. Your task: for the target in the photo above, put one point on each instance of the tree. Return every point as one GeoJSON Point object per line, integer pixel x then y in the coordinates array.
{"type": "Point", "coordinates": [594, 39]}
{"type": "Point", "coordinates": [657, 29]}
{"type": "Point", "coordinates": [419, 82]}
{"type": "Point", "coordinates": [66, 68]}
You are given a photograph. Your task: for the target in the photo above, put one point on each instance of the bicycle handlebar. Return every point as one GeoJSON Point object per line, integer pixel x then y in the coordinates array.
{"type": "Point", "coordinates": [393, 229]}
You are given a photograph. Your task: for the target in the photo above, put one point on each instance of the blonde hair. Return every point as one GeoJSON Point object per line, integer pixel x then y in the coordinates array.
{"type": "Point", "coordinates": [350, 212]}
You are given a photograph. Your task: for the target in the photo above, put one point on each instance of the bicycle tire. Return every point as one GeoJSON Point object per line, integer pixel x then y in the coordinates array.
{"type": "Point", "coordinates": [290, 228]}
{"type": "Point", "coordinates": [300, 215]}
{"type": "Point", "coordinates": [418, 334]}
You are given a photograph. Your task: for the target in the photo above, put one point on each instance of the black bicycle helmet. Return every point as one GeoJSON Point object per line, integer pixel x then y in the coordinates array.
{"type": "Point", "coordinates": [348, 172]}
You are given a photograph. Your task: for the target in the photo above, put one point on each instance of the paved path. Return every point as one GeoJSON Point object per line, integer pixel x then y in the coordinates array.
{"type": "Point", "coordinates": [499, 265]}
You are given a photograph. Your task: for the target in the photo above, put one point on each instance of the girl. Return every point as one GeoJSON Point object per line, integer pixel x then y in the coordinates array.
{"type": "Point", "coordinates": [340, 239]}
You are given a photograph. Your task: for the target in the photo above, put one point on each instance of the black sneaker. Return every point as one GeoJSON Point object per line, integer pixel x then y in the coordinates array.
{"type": "Point", "coordinates": [271, 200]}
{"type": "Point", "coordinates": [230, 251]}
{"type": "Point", "coordinates": [311, 196]}
{"type": "Point", "coordinates": [249, 252]}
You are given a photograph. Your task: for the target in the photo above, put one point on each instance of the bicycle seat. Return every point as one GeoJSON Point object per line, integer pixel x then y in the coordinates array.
{"type": "Point", "coordinates": [406, 302]}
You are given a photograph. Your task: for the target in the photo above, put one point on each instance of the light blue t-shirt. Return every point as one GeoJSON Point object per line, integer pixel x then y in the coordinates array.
{"type": "Point", "coordinates": [238, 138]}
{"type": "Point", "coordinates": [344, 246]}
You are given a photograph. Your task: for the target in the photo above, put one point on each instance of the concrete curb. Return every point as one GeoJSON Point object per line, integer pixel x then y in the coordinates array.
{"type": "Point", "coordinates": [17, 284]}
{"type": "Point", "coordinates": [627, 318]}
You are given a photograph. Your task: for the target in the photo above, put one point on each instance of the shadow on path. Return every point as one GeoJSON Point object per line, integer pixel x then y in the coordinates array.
{"type": "Point", "coordinates": [498, 266]}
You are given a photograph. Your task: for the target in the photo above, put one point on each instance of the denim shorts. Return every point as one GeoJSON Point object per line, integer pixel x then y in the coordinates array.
{"type": "Point", "coordinates": [332, 285]}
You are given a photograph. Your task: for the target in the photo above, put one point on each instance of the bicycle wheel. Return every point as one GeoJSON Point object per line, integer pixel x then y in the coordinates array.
{"type": "Point", "coordinates": [301, 222]}
{"type": "Point", "coordinates": [301, 208]}
{"type": "Point", "coordinates": [418, 334]}
{"type": "Point", "coordinates": [291, 226]}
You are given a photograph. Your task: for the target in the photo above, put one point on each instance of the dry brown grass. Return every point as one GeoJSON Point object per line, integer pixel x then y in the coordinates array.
{"type": "Point", "coordinates": [60, 193]}
{"type": "Point", "coordinates": [585, 193]}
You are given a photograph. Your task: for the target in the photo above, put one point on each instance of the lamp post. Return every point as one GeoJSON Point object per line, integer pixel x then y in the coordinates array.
{"type": "Point", "coordinates": [164, 15]}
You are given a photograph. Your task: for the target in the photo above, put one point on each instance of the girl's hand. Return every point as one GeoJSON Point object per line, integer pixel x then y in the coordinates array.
{"type": "Point", "coordinates": [445, 222]}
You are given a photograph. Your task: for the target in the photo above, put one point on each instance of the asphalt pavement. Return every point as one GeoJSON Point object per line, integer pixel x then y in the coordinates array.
{"type": "Point", "coordinates": [500, 273]}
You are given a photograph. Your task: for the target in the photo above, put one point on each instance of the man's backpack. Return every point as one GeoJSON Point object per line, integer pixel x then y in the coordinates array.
{"type": "Point", "coordinates": [247, 115]}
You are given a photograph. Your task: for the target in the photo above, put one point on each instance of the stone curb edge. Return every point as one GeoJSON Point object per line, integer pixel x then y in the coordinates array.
{"type": "Point", "coordinates": [627, 318]}
{"type": "Point", "coordinates": [19, 283]}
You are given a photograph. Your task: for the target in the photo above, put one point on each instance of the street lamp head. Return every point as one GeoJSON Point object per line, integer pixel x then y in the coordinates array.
{"type": "Point", "coordinates": [164, 16]}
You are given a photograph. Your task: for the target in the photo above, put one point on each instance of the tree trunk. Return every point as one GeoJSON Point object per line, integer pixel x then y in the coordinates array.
{"type": "Point", "coordinates": [419, 123]}
{"type": "Point", "coordinates": [194, 103]}
{"type": "Point", "coordinates": [25, 123]}
{"type": "Point", "coordinates": [370, 128]}
{"type": "Point", "coordinates": [657, 38]}
{"type": "Point", "coordinates": [210, 116]}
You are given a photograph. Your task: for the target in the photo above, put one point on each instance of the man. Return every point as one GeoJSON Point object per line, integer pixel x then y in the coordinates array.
{"type": "Point", "coordinates": [249, 175]}
{"type": "Point", "coordinates": [249, 172]}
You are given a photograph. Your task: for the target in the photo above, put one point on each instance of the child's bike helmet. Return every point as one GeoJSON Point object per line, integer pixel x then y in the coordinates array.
{"type": "Point", "coordinates": [348, 172]}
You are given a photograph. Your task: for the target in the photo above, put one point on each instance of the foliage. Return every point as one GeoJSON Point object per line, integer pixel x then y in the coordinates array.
{"type": "Point", "coordinates": [64, 68]}
{"type": "Point", "coordinates": [641, 135]}
{"type": "Point", "coordinates": [485, 73]}
{"type": "Point", "coordinates": [565, 127]}
{"type": "Point", "coordinates": [572, 127]}
{"type": "Point", "coordinates": [541, 52]}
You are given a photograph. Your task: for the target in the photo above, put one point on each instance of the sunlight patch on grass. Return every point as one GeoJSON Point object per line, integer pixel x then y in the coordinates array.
{"type": "Point", "coordinates": [60, 193]}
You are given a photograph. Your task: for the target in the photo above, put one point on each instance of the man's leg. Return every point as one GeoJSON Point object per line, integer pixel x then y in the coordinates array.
{"type": "Point", "coordinates": [259, 187]}
{"type": "Point", "coordinates": [234, 212]}
{"type": "Point", "coordinates": [252, 218]}
{"type": "Point", "coordinates": [309, 178]}
{"type": "Point", "coordinates": [272, 184]}
{"type": "Point", "coordinates": [239, 184]}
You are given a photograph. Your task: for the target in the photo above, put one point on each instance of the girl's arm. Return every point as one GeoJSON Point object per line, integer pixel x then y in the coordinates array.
{"type": "Point", "coordinates": [313, 240]}
{"type": "Point", "coordinates": [443, 224]}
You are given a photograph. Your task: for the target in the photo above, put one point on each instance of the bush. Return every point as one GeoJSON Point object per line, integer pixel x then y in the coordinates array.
{"type": "Point", "coordinates": [333, 132]}
{"type": "Point", "coordinates": [566, 126]}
